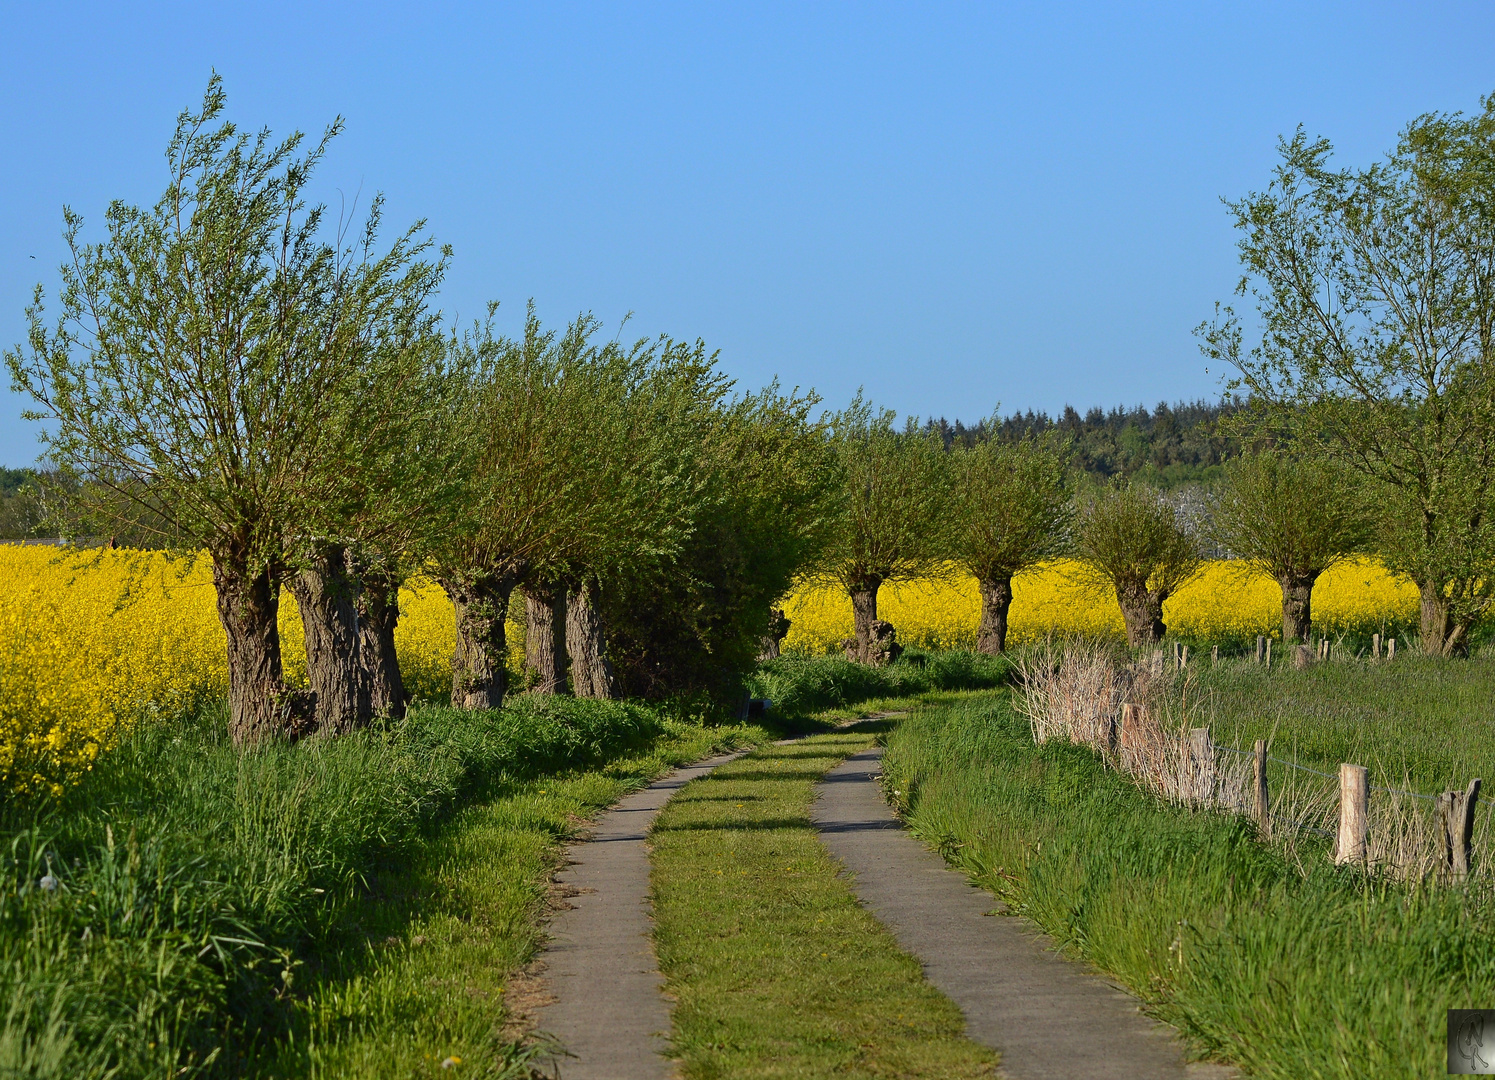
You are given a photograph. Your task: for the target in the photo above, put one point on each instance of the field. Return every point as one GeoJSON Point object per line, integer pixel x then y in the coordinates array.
{"type": "Point", "coordinates": [91, 642]}
{"type": "Point", "coordinates": [1225, 604]}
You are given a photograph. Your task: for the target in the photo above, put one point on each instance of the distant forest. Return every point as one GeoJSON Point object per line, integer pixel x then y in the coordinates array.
{"type": "Point", "coordinates": [1167, 446]}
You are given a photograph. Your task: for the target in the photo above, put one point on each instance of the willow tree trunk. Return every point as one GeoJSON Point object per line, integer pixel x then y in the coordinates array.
{"type": "Point", "coordinates": [327, 596]}
{"type": "Point", "coordinates": [378, 615]}
{"type": "Point", "coordinates": [1297, 616]}
{"type": "Point", "coordinates": [545, 638]}
{"type": "Point", "coordinates": [863, 591]}
{"type": "Point", "coordinates": [260, 705]}
{"type": "Point", "coordinates": [1142, 611]}
{"type": "Point", "coordinates": [479, 674]}
{"type": "Point", "coordinates": [996, 601]}
{"type": "Point", "coordinates": [586, 641]}
{"type": "Point", "coordinates": [1442, 634]}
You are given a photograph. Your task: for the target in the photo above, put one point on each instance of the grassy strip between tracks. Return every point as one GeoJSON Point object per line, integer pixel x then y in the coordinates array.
{"type": "Point", "coordinates": [777, 971]}
{"type": "Point", "coordinates": [418, 989]}
{"type": "Point", "coordinates": [1292, 972]}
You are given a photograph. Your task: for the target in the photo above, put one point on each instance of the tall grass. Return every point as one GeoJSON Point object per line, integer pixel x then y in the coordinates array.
{"type": "Point", "coordinates": [156, 919]}
{"type": "Point", "coordinates": [799, 685]}
{"type": "Point", "coordinates": [1293, 968]}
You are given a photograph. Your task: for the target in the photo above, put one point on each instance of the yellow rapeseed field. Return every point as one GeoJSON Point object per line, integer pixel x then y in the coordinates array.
{"type": "Point", "coordinates": [92, 641]}
{"type": "Point", "coordinates": [1224, 602]}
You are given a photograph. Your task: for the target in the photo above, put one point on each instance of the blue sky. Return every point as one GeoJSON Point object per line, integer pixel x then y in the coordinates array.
{"type": "Point", "coordinates": [950, 205]}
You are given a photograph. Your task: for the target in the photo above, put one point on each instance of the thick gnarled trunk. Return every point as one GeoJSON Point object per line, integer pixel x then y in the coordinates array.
{"type": "Point", "coordinates": [778, 630]}
{"type": "Point", "coordinates": [1142, 611]}
{"type": "Point", "coordinates": [586, 641]}
{"type": "Point", "coordinates": [378, 616]}
{"type": "Point", "coordinates": [260, 705]}
{"type": "Point", "coordinates": [1442, 633]}
{"type": "Point", "coordinates": [479, 674]}
{"type": "Point", "coordinates": [996, 601]}
{"type": "Point", "coordinates": [326, 595]}
{"type": "Point", "coordinates": [1297, 615]}
{"type": "Point", "coordinates": [863, 592]}
{"type": "Point", "coordinates": [545, 638]}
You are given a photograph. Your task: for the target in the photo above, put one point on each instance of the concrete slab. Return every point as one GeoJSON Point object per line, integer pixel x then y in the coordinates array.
{"type": "Point", "coordinates": [608, 1012]}
{"type": "Point", "coordinates": [1047, 1016]}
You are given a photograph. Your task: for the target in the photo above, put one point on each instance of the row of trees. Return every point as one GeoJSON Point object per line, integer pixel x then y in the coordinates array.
{"type": "Point", "coordinates": [993, 509]}
{"type": "Point", "coordinates": [223, 377]}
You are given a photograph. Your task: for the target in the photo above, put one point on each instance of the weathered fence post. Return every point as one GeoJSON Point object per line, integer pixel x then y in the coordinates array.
{"type": "Point", "coordinates": [1391, 649]}
{"type": "Point", "coordinates": [1260, 645]}
{"type": "Point", "coordinates": [1183, 657]}
{"type": "Point", "coordinates": [1324, 649]}
{"type": "Point", "coordinates": [1456, 821]}
{"type": "Point", "coordinates": [1354, 806]}
{"type": "Point", "coordinates": [1375, 646]}
{"type": "Point", "coordinates": [1202, 758]}
{"type": "Point", "coordinates": [1263, 803]}
{"type": "Point", "coordinates": [1269, 654]}
{"type": "Point", "coordinates": [1214, 656]}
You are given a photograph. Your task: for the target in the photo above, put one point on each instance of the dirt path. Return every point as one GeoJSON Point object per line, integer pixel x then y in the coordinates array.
{"type": "Point", "coordinates": [1048, 1017]}
{"type": "Point", "coordinates": [603, 983]}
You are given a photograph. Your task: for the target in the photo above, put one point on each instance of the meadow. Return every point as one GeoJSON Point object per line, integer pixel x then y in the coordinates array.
{"type": "Point", "coordinates": [1267, 957]}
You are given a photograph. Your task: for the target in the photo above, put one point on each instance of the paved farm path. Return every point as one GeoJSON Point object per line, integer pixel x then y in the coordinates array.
{"type": "Point", "coordinates": [599, 968]}
{"type": "Point", "coordinates": [1047, 1016]}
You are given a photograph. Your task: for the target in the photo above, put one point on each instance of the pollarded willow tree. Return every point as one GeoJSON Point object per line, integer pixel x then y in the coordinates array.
{"type": "Point", "coordinates": [692, 626]}
{"type": "Point", "coordinates": [894, 494]}
{"type": "Point", "coordinates": [575, 470]}
{"type": "Point", "coordinates": [1293, 519]}
{"type": "Point", "coordinates": [214, 365]}
{"type": "Point", "coordinates": [1011, 508]}
{"type": "Point", "coordinates": [1133, 540]}
{"type": "Point", "coordinates": [649, 426]}
{"type": "Point", "coordinates": [1376, 294]}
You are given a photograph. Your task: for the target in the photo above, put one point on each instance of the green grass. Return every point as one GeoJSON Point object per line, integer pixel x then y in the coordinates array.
{"type": "Point", "coordinates": [1426, 721]}
{"type": "Point", "coordinates": [777, 971]}
{"type": "Point", "coordinates": [1294, 975]}
{"type": "Point", "coordinates": [223, 912]}
{"type": "Point", "coordinates": [420, 977]}
{"type": "Point", "coordinates": [804, 685]}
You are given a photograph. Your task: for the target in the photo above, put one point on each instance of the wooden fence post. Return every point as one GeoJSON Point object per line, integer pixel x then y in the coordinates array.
{"type": "Point", "coordinates": [1354, 806]}
{"type": "Point", "coordinates": [1324, 649]}
{"type": "Point", "coordinates": [1259, 646]}
{"type": "Point", "coordinates": [1375, 646]}
{"type": "Point", "coordinates": [1202, 758]}
{"type": "Point", "coordinates": [1269, 654]}
{"type": "Point", "coordinates": [1214, 656]}
{"type": "Point", "coordinates": [1183, 657]}
{"type": "Point", "coordinates": [1456, 818]}
{"type": "Point", "coordinates": [1391, 649]}
{"type": "Point", "coordinates": [1263, 803]}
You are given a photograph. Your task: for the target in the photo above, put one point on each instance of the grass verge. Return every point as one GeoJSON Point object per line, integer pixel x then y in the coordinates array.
{"type": "Point", "coordinates": [196, 910]}
{"type": "Point", "coordinates": [1323, 974]}
{"type": "Point", "coordinates": [777, 971]}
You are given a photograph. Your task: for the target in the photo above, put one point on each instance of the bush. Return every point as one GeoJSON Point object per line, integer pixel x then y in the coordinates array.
{"type": "Point", "coordinates": [154, 918]}
{"type": "Point", "coordinates": [798, 684]}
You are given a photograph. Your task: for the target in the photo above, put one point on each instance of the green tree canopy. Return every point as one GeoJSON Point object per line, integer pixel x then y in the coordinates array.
{"type": "Point", "coordinates": [1010, 509]}
{"type": "Point", "coordinates": [1293, 518]}
{"type": "Point", "coordinates": [894, 499]}
{"type": "Point", "coordinates": [220, 364]}
{"type": "Point", "coordinates": [1132, 539]}
{"type": "Point", "coordinates": [1376, 294]}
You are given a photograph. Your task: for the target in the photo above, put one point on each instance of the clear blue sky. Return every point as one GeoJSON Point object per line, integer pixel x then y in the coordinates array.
{"type": "Point", "coordinates": [951, 205]}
